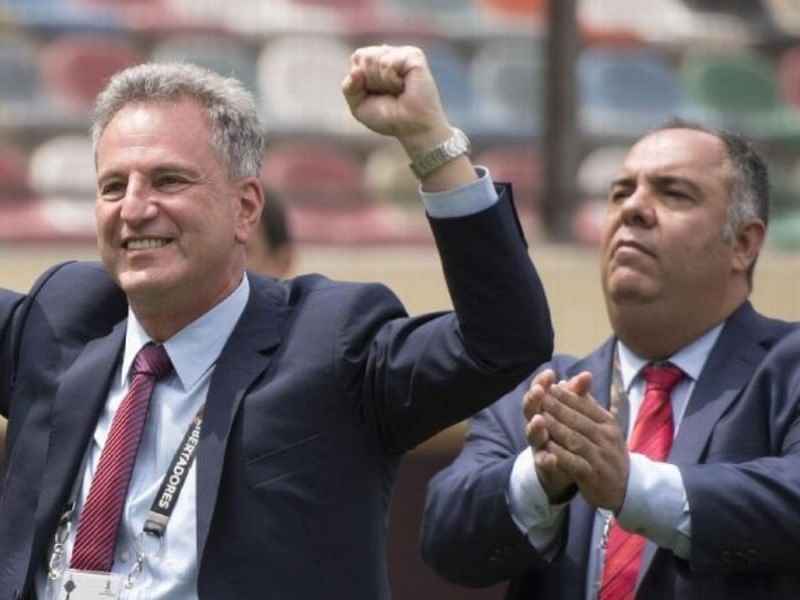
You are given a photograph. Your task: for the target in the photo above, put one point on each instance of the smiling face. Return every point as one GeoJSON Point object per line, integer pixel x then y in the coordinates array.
{"type": "Point", "coordinates": [171, 223]}
{"type": "Point", "coordinates": [663, 251]}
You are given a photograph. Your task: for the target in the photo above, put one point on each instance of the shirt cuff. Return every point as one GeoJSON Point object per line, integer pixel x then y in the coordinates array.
{"type": "Point", "coordinates": [530, 507]}
{"type": "Point", "coordinates": [656, 505]}
{"type": "Point", "coordinates": [463, 201]}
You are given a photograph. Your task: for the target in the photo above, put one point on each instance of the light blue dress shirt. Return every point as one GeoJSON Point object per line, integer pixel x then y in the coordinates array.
{"type": "Point", "coordinates": [175, 401]}
{"type": "Point", "coordinates": [655, 499]}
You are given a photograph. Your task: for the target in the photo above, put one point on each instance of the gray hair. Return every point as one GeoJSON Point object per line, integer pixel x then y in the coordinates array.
{"type": "Point", "coordinates": [236, 133]}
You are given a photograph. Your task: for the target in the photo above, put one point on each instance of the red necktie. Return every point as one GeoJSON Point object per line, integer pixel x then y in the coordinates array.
{"type": "Point", "coordinates": [652, 436]}
{"type": "Point", "coordinates": [100, 516]}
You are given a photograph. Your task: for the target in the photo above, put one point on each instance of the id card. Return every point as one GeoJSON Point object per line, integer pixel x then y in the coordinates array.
{"type": "Point", "coordinates": [89, 585]}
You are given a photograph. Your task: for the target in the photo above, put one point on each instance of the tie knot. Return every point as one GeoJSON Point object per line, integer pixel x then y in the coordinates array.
{"type": "Point", "coordinates": [152, 360]}
{"type": "Point", "coordinates": [663, 376]}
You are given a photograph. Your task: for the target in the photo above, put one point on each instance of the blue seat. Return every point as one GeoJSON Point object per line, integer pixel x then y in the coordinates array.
{"type": "Point", "coordinates": [63, 16]}
{"type": "Point", "coordinates": [507, 76]}
{"type": "Point", "coordinates": [451, 71]}
{"type": "Point", "coordinates": [22, 99]}
{"type": "Point", "coordinates": [625, 91]}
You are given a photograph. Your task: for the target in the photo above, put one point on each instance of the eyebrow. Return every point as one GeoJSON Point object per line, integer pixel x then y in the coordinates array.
{"type": "Point", "coordinates": [663, 181]}
{"type": "Point", "coordinates": [158, 170]}
{"type": "Point", "coordinates": [660, 181]}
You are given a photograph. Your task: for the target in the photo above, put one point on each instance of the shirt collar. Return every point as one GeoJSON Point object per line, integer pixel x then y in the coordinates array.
{"type": "Point", "coordinates": [195, 347]}
{"type": "Point", "coordinates": [690, 359]}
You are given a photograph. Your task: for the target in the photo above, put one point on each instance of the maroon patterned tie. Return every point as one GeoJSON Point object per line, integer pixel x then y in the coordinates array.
{"type": "Point", "coordinates": [652, 436]}
{"type": "Point", "coordinates": [100, 516]}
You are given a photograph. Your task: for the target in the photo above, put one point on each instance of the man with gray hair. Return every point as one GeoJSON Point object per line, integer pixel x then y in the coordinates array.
{"type": "Point", "coordinates": [228, 435]}
{"type": "Point", "coordinates": [666, 463]}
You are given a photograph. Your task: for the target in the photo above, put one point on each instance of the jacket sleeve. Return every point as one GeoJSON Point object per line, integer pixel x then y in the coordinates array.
{"type": "Point", "coordinates": [411, 378]}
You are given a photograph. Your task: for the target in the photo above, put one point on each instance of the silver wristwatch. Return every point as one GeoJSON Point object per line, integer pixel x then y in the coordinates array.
{"type": "Point", "coordinates": [427, 162]}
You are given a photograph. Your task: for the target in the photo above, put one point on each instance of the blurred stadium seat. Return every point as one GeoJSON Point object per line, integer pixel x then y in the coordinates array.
{"type": "Point", "coordinates": [315, 173]}
{"type": "Point", "coordinates": [589, 220]}
{"type": "Point", "coordinates": [515, 8]}
{"type": "Point", "coordinates": [76, 67]}
{"type": "Point", "coordinates": [387, 176]}
{"type": "Point", "coordinates": [450, 12]}
{"type": "Point", "coordinates": [23, 101]}
{"type": "Point", "coordinates": [785, 15]}
{"type": "Point", "coordinates": [784, 231]}
{"type": "Point", "coordinates": [789, 76]}
{"type": "Point", "coordinates": [615, 18]}
{"type": "Point", "coordinates": [15, 186]}
{"type": "Point", "coordinates": [63, 166]}
{"type": "Point", "coordinates": [520, 165]}
{"type": "Point", "coordinates": [625, 91]}
{"type": "Point", "coordinates": [507, 76]}
{"type": "Point", "coordinates": [300, 79]}
{"type": "Point", "coordinates": [739, 91]}
{"type": "Point", "coordinates": [598, 169]}
{"type": "Point", "coordinates": [452, 74]}
{"type": "Point", "coordinates": [226, 55]}
{"type": "Point", "coordinates": [62, 16]}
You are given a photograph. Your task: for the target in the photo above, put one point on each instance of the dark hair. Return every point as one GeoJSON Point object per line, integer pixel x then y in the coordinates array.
{"type": "Point", "coordinates": [274, 224]}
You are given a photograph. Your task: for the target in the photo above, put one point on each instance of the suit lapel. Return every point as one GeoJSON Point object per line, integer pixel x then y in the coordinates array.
{"type": "Point", "coordinates": [730, 365]}
{"type": "Point", "coordinates": [79, 399]}
{"type": "Point", "coordinates": [581, 514]}
{"type": "Point", "coordinates": [732, 361]}
{"type": "Point", "coordinates": [246, 355]}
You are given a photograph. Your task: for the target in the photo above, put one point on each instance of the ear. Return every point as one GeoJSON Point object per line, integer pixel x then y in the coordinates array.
{"type": "Point", "coordinates": [747, 244]}
{"type": "Point", "coordinates": [249, 203]}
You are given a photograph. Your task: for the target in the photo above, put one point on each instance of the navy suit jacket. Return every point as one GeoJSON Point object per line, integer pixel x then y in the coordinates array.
{"type": "Point", "coordinates": [318, 392]}
{"type": "Point", "coordinates": [739, 454]}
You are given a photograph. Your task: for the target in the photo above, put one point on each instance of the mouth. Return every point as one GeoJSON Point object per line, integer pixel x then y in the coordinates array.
{"type": "Point", "coordinates": [148, 243]}
{"type": "Point", "coordinates": [630, 244]}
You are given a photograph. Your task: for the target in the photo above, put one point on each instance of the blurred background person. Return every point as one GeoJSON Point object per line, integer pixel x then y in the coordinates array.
{"type": "Point", "coordinates": [271, 251]}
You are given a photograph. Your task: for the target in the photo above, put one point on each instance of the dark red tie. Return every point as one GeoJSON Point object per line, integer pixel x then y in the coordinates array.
{"type": "Point", "coordinates": [652, 436]}
{"type": "Point", "coordinates": [100, 516]}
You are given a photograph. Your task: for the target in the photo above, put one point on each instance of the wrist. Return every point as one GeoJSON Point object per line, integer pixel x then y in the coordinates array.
{"type": "Point", "coordinates": [423, 141]}
{"type": "Point", "coordinates": [455, 146]}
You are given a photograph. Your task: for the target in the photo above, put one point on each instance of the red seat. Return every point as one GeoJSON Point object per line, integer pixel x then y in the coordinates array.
{"type": "Point", "coordinates": [789, 76]}
{"type": "Point", "coordinates": [76, 67]}
{"type": "Point", "coordinates": [14, 184]}
{"type": "Point", "coordinates": [321, 174]}
{"type": "Point", "coordinates": [516, 8]}
{"type": "Point", "coordinates": [518, 165]}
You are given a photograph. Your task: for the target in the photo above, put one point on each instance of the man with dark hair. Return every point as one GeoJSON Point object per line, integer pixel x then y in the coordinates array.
{"type": "Point", "coordinates": [227, 435]}
{"type": "Point", "coordinates": [271, 250]}
{"type": "Point", "coordinates": [666, 464]}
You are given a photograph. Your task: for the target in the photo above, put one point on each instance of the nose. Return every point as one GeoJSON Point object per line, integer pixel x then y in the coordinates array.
{"type": "Point", "coordinates": [638, 209]}
{"type": "Point", "coordinates": [137, 204]}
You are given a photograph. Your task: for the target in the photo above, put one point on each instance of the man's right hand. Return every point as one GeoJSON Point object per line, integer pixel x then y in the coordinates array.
{"type": "Point", "coordinates": [557, 484]}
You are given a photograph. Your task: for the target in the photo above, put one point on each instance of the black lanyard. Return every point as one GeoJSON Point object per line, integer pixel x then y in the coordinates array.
{"type": "Point", "coordinates": [172, 484]}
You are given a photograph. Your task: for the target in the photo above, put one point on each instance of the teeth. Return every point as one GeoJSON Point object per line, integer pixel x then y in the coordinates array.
{"type": "Point", "coordinates": [146, 244]}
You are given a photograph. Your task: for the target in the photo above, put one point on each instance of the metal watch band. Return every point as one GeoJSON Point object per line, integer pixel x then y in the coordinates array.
{"type": "Point", "coordinates": [427, 162]}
